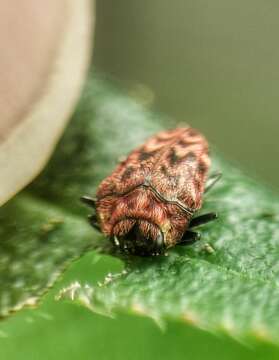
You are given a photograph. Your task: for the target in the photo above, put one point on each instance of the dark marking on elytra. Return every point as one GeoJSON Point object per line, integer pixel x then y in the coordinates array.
{"type": "Point", "coordinates": [172, 157]}
{"type": "Point", "coordinates": [144, 155]}
{"type": "Point", "coordinates": [160, 140]}
{"type": "Point", "coordinates": [191, 156]}
{"type": "Point", "coordinates": [164, 170]}
{"type": "Point", "coordinates": [202, 167]}
{"type": "Point", "coordinates": [184, 143]}
{"type": "Point", "coordinates": [127, 173]}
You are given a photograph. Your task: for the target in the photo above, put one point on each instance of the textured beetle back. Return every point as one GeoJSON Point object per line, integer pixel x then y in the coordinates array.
{"type": "Point", "coordinates": [160, 182]}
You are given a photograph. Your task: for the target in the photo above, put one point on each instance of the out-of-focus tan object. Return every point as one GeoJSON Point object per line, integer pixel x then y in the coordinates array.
{"type": "Point", "coordinates": [45, 49]}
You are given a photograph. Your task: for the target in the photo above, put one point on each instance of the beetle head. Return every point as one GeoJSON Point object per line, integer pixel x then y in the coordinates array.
{"type": "Point", "coordinates": [138, 237]}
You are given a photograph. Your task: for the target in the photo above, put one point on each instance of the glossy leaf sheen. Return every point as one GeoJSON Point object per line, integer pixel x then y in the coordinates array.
{"type": "Point", "coordinates": [232, 289]}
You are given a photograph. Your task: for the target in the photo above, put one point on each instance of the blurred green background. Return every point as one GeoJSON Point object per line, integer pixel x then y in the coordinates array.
{"type": "Point", "coordinates": [211, 63]}
{"type": "Point", "coordinates": [215, 65]}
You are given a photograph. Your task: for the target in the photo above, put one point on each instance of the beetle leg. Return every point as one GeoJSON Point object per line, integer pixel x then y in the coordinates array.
{"type": "Point", "coordinates": [202, 219]}
{"type": "Point", "coordinates": [189, 237]}
{"type": "Point", "coordinates": [94, 222]}
{"type": "Point", "coordinates": [89, 201]}
{"type": "Point", "coordinates": [212, 180]}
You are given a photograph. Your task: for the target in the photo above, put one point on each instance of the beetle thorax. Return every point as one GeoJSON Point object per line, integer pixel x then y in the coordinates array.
{"type": "Point", "coordinates": [140, 220]}
{"type": "Point", "coordinates": [139, 206]}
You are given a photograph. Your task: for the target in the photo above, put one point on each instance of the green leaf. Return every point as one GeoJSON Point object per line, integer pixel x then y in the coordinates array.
{"type": "Point", "coordinates": [38, 240]}
{"type": "Point", "coordinates": [230, 286]}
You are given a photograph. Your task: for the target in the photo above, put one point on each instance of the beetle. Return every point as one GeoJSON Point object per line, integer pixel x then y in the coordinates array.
{"type": "Point", "coordinates": [147, 204]}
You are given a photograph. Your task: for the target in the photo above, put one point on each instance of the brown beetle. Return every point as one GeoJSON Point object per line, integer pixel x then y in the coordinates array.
{"type": "Point", "coordinates": [147, 204]}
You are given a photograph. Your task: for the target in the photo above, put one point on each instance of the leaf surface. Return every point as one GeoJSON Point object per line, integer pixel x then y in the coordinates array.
{"type": "Point", "coordinates": [230, 286]}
